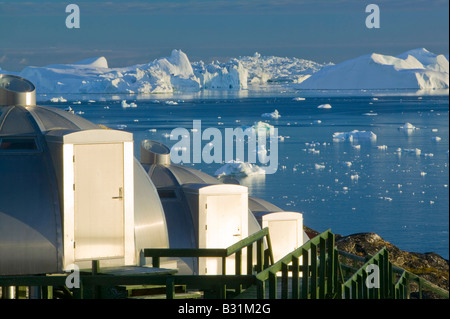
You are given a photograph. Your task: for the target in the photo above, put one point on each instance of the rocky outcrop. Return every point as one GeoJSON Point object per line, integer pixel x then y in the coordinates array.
{"type": "Point", "coordinates": [430, 266]}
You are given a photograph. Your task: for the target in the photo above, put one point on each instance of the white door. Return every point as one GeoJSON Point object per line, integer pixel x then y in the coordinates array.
{"type": "Point", "coordinates": [99, 209]}
{"type": "Point", "coordinates": [223, 228]}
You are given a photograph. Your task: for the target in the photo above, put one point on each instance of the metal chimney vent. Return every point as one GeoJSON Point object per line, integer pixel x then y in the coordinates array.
{"type": "Point", "coordinates": [153, 152]}
{"type": "Point", "coordinates": [15, 90]}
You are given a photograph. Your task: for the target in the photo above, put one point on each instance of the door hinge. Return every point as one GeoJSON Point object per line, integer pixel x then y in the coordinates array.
{"type": "Point", "coordinates": [74, 187]}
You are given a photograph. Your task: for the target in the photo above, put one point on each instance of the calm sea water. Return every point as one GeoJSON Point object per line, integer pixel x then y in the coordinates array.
{"type": "Point", "coordinates": [400, 195]}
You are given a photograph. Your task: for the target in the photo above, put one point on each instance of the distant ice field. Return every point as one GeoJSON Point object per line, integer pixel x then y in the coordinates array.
{"type": "Point", "coordinates": [395, 185]}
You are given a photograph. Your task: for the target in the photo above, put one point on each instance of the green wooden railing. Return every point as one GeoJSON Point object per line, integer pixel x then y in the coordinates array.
{"type": "Point", "coordinates": [394, 282]}
{"type": "Point", "coordinates": [263, 256]}
{"type": "Point", "coordinates": [360, 285]}
{"type": "Point", "coordinates": [317, 270]}
{"type": "Point", "coordinates": [317, 263]}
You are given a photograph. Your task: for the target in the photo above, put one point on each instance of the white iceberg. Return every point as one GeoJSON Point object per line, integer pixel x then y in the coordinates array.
{"type": "Point", "coordinates": [324, 106]}
{"type": "Point", "coordinates": [319, 167]}
{"type": "Point", "coordinates": [230, 75]}
{"type": "Point", "coordinates": [354, 135]}
{"type": "Point", "coordinates": [272, 69]}
{"type": "Point", "coordinates": [163, 75]}
{"type": "Point", "coordinates": [407, 126]}
{"type": "Point", "coordinates": [415, 69]}
{"type": "Point", "coordinates": [274, 115]}
{"type": "Point", "coordinates": [58, 100]}
{"type": "Point", "coordinates": [416, 151]}
{"type": "Point", "coordinates": [239, 169]}
{"type": "Point", "coordinates": [260, 127]}
{"type": "Point", "coordinates": [124, 104]}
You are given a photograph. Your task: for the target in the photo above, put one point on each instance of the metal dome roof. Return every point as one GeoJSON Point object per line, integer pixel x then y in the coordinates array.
{"type": "Point", "coordinates": [32, 120]}
{"type": "Point", "coordinates": [31, 232]}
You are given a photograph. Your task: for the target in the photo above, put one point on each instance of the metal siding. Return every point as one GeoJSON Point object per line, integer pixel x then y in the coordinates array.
{"type": "Point", "coordinates": [28, 227]}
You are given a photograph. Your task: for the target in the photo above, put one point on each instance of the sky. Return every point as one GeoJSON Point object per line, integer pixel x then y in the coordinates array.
{"type": "Point", "coordinates": [136, 32]}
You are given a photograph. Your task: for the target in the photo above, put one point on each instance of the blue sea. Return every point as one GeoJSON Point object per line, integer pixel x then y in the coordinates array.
{"type": "Point", "coordinates": [385, 186]}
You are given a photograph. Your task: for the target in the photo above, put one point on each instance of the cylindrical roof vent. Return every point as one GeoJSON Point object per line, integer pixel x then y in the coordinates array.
{"type": "Point", "coordinates": [153, 152]}
{"type": "Point", "coordinates": [15, 90]}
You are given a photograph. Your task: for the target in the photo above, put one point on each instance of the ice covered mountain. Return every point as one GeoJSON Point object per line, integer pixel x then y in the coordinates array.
{"type": "Point", "coordinates": [415, 69]}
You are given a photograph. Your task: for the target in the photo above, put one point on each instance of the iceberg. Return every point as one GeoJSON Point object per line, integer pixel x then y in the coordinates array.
{"type": "Point", "coordinates": [124, 104]}
{"type": "Point", "coordinates": [354, 135]}
{"type": "Point", "coordinates": [163, 75]}
{"type": "Point", "coordinates": [324, 106]}
{"type": "Point", "coordinates": [274, 115]}
{"type": "Point", "coordinates": [239, 169]}
{"type": "Point", "coordinates": [415, 69]}
{"type": "Point", "coordinates": [58, 100]}
{"type": "Point", "coordinates": [272, 69]}
{"type": "Point", "coordinates": [407, 126]}
{"type": "Point", "coordinates": [260, 126]}
{"type": "Point", "coordinates": [230, 75]}
{"type": "Point", "coordinates": [319, 166]}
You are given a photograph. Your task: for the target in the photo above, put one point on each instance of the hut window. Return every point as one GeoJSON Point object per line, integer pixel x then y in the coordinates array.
{"type": "Point", "coordinates": [8, 143]}
{"type": "Point", "coordinates": [167, 193]}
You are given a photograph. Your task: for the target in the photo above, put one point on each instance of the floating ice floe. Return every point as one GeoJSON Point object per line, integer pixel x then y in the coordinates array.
{"type": "Point", "coordinates": [274, 115]}
{"type": "Point", "coordinates": [319, 166]}
{"type": "Point", "coordinates": [354, 135]}
{"type": "Point", "coordinates": [347, 164]}
{"type": "Point", "coordinates": [407, 126]}
{"type": "Point", "coordinates": [313, 151]}
{"type": "Point", "coordinates": [171, 103]}
{"type": "Point", "coordinates": [125, 104]}
{"type": "Point", "coordinates": [239, 169]}
{"type": "Point", "coordinates": [260, 127]}
{"type": "Point", "coordinates": [382, 147]}
{"type": "Point", "coordinates": [416, 151]}
{"type": "Point", "coordinates": [436, 138]}
{"type": "Point", "coordinates": [324, 106]}
{"type": "Point", "coordinates": [69, 109]}
{"type": "Point", "coordinates": [58, 100]}
{"type": "Point", "coordinates": [370, 114]}
{"type": "Point", "coordinates": [298, 99]}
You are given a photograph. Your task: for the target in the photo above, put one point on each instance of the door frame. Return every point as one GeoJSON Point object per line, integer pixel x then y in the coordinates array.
{"type": "Point", "coordinates": [68, 200]}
